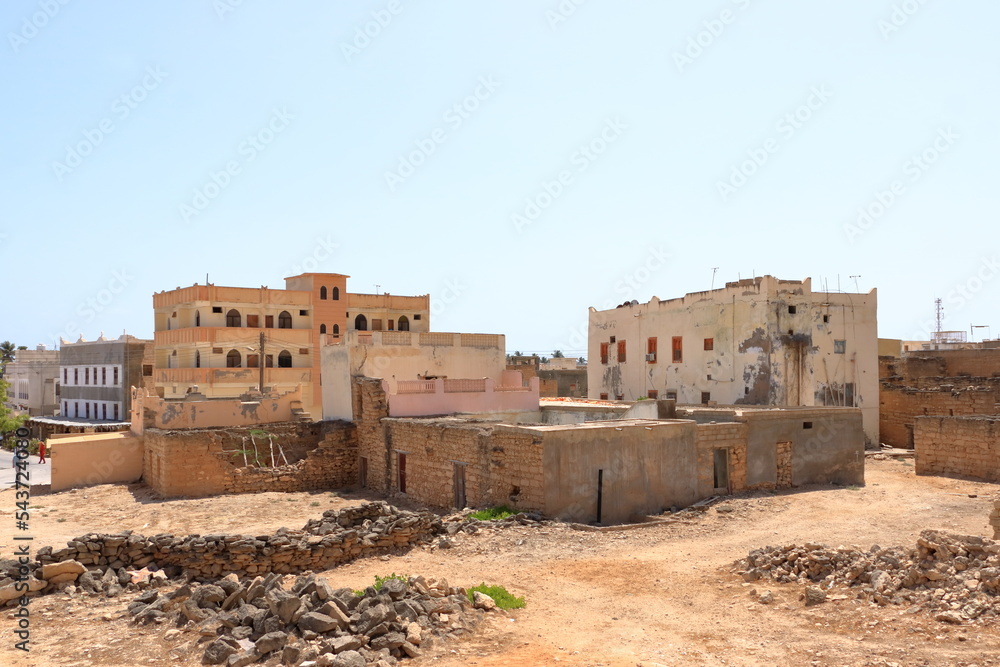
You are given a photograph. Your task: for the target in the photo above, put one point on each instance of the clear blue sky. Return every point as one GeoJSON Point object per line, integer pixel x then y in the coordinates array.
{"type": "Point", "coordinates": [621, 122]}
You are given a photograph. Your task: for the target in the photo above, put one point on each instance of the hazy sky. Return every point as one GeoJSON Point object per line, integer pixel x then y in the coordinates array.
{"type": "Point", "coordinates": [519, 161]}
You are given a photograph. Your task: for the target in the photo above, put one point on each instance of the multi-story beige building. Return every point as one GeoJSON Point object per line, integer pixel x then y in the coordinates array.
{"type": "Point", "coordinates": [223, 339]}
{"type": "Point", "coordinates": [759, 341]}
{"type": "Point", "coordinates": [34, 382]}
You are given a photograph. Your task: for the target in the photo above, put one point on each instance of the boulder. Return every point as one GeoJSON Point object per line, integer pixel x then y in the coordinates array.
{"type": "Point", "coordinates": [67, 567]}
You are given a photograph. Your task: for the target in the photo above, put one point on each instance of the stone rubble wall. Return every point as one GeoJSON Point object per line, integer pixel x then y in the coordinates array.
{"type": "Point", "coordinates": [202, 462]}
{"type": "Point", "coordinates": [899, 407]}
{"type": "Point", "coordinates": [339, 536]}
{"type": "Point", "coordinates": [731, 436]}
{"type": "Point", "coordinates": [967, 446]}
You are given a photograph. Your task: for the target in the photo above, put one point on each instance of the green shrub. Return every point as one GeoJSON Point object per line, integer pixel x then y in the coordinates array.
{"type": "Point", "coordinates": [493, 513]}
{"type": "Point", "coordinates": [379, 581]}
{"type": "Point", "coordinates": [500, 595]}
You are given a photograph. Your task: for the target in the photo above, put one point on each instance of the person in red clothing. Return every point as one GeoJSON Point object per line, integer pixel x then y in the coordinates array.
{"type": "Point", "coordinates": [41, 452]}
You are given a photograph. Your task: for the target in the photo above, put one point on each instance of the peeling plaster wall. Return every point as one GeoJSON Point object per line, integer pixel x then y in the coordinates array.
{"type": "Point", "coordinates": [762, 354]}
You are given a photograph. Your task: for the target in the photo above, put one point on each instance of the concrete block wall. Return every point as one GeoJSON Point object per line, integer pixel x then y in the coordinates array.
{"type": "Point", "coordinates": [900, 406]}
{"type": "Point", "coordinates": [968, 446]}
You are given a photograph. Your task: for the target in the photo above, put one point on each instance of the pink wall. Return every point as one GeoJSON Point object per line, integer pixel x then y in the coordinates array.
{"type": "Point", "coordinates": [439, 402]}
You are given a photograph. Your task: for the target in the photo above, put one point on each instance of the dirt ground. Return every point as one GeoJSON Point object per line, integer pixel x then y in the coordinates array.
{"type": "Point", "coordinates": [657, 595]}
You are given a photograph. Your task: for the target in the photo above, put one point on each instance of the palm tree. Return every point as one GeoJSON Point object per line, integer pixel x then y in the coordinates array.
{"type": "Point", "coordinates": [6, 354]}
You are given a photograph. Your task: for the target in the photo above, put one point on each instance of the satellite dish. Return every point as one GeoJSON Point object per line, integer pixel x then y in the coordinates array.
{"type": "Point", "coordinates": [634, 302]}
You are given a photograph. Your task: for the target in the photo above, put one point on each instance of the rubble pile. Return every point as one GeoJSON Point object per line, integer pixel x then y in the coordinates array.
{"type": "Point", "coordinates": [465, 524]}
{"type": "Point", "coordinates": [955, 576]}
{"type": "Point", "coordinates": [307, 622]}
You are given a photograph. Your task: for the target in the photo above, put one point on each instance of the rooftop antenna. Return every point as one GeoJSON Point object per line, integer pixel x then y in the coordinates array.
{"type": "Point", "coordinates": [856, 282]}
{"type": "Point", "coordinates": [714, 269]}
{"type": "Point", "coordinates": [376, 288]}
{"type": "Point", "coordinates": [938, 313]}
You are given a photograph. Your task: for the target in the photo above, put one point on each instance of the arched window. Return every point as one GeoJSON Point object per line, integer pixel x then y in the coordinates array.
{"type": "Point", "coordinates": [233, 318]}
{"type": "Point", "coordinates": [197, 359]}
{"type": "Point", "coordinates": [168, 324]}
{"type": "Point", "coordinates": [336, 329]}
{"type": "Point", "coordinates": [233, 359]}
{"type": "Point", "coordinates": [322, 328]}
{"type": "Point", "coordinates": [404, 323]}
{"type": "Point", "coordinates": [197, 318]}
{"type": "Point", "coordinates": [284, 359]}
{"type": "Point", "coordinates": [285, 320]}
{"type": "Point", "coordinates": [361, 323]}
{"type": "Point", "coordinates": [322, 292]}
{"type": "Point", "coordinates": [336, 294]}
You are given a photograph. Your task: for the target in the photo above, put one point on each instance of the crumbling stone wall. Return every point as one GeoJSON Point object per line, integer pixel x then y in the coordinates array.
{"type": "Point", "coordinates": [899, 406]}
{"type": "Point", "coordinates": [371, 406]}
{"type": "Point", "coordinates": [968, 446]}
{"type": "Point", "coordinates": [732, 437]}
{"type": "Point", "coordinates": [202, 462]}
{"type": "Point", "coordinates": [337, 537]}
{"type": "Point", "coordinates": [501, 467]}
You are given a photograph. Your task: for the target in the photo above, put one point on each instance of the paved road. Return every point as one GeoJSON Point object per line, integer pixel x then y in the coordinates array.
{"type": "Point", "coordinates": [39, 473]}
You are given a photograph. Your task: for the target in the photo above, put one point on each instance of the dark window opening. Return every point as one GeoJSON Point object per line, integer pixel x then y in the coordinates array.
{"type": "Point", "coordinates": [147, 370]}
{"type": "Point", "coordinates": [116, 376]}
{"type": "Point", "coordinates": [839, 346]}
{"type": "Point", "coordinates": [792, 310]}
{"type": "Point", "coordinates": [104, 376]}
{"type": "Point", "coordinates": [322, 292]}
{"type": "Point", "coordinates": [322, 328]}
{"type": "Point", "coordinates": [233, 318]}
{"type": "Point", "coordinates": [284, 359]}
{"type": "Point", "coordinates": [651, 350]}
{"type": "Point", "coordinates": [217, 309]}
{"type": "Point", "coordinates": [416, 316]}
{"type": "Point", "coordinates": [620, 397]}
{"type": "Point", "coordinates": [826, 318]}
{"type": "Point", "coordinates": [233, 359]}
{"type": "Point", "coordinates": [709, 343]}
{"type": "Point", "coordinates": [604, 395]}
{"type": "Point", "coordinates": [677, 346]}
{"type": "Point", "coordinates": [720, 475]}
{"type": "Point", "coordinates": [284, 320]}
{"type": "Point", "coordinates": [706, 396]}
{"type": "Point", "coordinates": [197, 359]}
{"type": "Point", "coordinates": [303, 313]}
{"type": "Point", "coordinates": [404, 324]}
{"type": "Point", "coordinates": [401, 471]}
{"type": "Point", "coordinates": [336, 329]}
{"type": "Point", "coordinates": [197, 318]}
{"type": "Point", "coordinates": [652, 393]}
{"type": "Point", "coordinates": [390, 324]}
{"type": "Point", "coordinates": [612, 339]}
{"type": "Point", "coordinates": [361, 323]}
{"type": "Point", "coordinates": [807, 425]}
{"type": "Point", "coordinates": [336, 294]}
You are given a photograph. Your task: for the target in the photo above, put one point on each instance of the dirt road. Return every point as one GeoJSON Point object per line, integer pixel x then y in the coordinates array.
{"type": "Point", "coordinates": [662, 595]}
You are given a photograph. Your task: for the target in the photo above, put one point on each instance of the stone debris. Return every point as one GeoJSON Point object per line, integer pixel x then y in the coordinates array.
{"type": "Point", "coordinates": [955, 577]}
{"type": "Point", "coordinates": [309, 623]}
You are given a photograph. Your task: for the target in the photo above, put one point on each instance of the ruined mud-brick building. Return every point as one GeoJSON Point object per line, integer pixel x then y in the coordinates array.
{"type": "Point", "coordinates": [607, 471]}
{"type": "Point", "coordinates": [951, 383]}
{"type": "Point", "coordinates": [760, 341]}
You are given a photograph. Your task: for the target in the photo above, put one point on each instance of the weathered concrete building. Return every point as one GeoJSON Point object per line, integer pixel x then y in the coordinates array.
{"type": "Point", "coordinates": [97, 376]}
{"type": "Point", "coordinates": [34, 381]}
{"type": "Point", "coordinates": [760, 341]}
{"type": "Point", "coordinates": [227, 340]}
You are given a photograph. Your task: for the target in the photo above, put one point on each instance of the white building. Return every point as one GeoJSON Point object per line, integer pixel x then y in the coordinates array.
{"type": "Point", "coordinates": [759, 341]}
{"type": "Point", "coordinates": [34, 384]}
